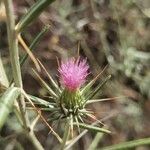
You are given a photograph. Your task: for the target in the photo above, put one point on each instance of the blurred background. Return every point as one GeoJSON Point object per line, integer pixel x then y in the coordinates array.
{"type": "Point", "coordinates": [110, 32]}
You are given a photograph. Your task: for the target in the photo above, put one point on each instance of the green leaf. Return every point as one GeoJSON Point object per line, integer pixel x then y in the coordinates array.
{"type": "Point", "coordinates": [3, 77]}
{"type": "Point", "coordinates": [41, 101]}
{"type": "Point", "coordinates": [92, 128]}
{"type": "Point", "coordinates": [6, 103]}
{"type": "Point", "coordinates": [35, 42]}
{"type": "Point", "coordinates": [96, 141]}
{"type": "Point", "coordinates": [128, 145]}
{"type": "Point", "coordinates": [32, 14]}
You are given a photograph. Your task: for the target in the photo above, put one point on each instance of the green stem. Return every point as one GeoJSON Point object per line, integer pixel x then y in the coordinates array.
{"type": "Point", "coordinates": [128, 145]}
{"type": "Point", "coordinates": [13, 43]}
{"type": "Point", "coordinates": [66, 134]}
{"type": "Point", "coordinates": [95, 141]}
{"type": "Point", "coordinates": [14, 54]}
{"type": "Point", "coordinates": [35, 141]}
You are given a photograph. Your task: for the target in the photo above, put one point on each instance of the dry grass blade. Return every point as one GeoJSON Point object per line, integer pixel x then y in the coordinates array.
{"type": "Point", "coordinates": [44, 120]}
{"type": "Point", "coordinates": [97, 89]}
{"type": "Point", "coordinates": [88, 86]}
{"type": "Point", "coordinates": [50, 78]}
{"type": "Point", "coordinates": [29, 52]}
{"type": "Point", "coordinates": [78, 49]}
{"type": "Point", "coordinates": [94, 118]}
{"type": "Point", "coordinates": [58, 62]}
{"type": "Point", "coordinates": [45, 85]}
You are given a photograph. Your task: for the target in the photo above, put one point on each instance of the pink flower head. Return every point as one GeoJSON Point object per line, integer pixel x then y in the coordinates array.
{"type": "Point", "coordinates": [73, 73]}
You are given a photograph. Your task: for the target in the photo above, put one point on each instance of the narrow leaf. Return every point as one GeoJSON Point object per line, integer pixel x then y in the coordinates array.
{"type": "Point", "coordinates": [128, 145]}
{"type": "Point", "coordinates": [66, 134]}
{"type": "Point", "coordinates": [93, 128]}
{"type": "Point", "coordinates": [3, 76]}
{"type": "Point", "coordinates": [40, 101]}
{"type": "Point", "coordinates": [96, 141]}
{"type": "Point", "coordinates": [35, 42]}
{"type": "Point", "coordinates": [32, 14]}
{"type": "Point", "coordinates": [54, 85]}
{"type": "Point", "coordinates": [97, 89]}
{"type": "Point", "coordinates": [104, 99]}
{"type": "Point", "coordinates": [6, 103]}
{"type": "Point", "coordinates": [29, 52]}
{"type": "Point", "coordinates": [89, 85]}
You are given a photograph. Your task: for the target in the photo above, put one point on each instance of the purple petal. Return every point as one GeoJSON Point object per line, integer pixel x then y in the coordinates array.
{"type": "Point", "coordinates": [73, 73]}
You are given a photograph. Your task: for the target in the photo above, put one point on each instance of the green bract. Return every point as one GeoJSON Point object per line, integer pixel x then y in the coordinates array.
{"type": "Point", "coordinates": [71, 99]}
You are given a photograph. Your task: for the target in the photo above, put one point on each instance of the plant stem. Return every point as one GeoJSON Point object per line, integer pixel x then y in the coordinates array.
{"type": "Point", "coordinates": [13, 43]}
{"type": "Point", "coordinates": [14, 54]}
{"type": "Point", "coordinates": [128, 145]}
{"type": "Point", "coordinates": [66, 134]}
{"type": "Point", "coordinates": [35, 141]}
{"type": "Point", "coordinates": [95, 141]}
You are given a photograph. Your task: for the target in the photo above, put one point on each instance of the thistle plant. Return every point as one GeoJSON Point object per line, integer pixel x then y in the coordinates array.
{"type": "Point", "coordinates": [69, 100]}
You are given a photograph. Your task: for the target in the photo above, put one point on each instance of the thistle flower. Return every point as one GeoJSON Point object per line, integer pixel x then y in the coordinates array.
{"type": "Point", "coordinates": [70, 100]}
{"type": "Point", "coordinates": [73, 73]}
